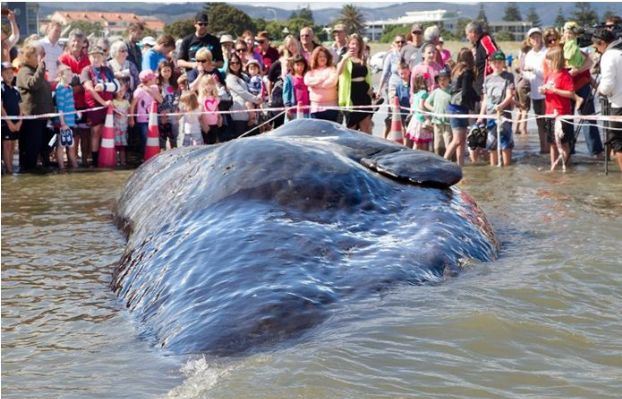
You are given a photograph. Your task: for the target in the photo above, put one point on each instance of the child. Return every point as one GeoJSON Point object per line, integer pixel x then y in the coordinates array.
{"type": "Point", "coordinates": [121, 108]}
{"type": "Point", "coordinates": [402, 91]}
{"type": "Point", "coordinates": [419, 130]}
{"type": "Point", "coordinates": [428, 67]}
{"type": "Point", "coordinates": [191, 120]}
{"type": "Point", "coordinates": [145, 94]}
{"type": "Point", "coordinates": [10, 107]}
{"type": "Point", "coordinates": [498, 91]}
{"type": "Point", "coordinates": [167, 124]}
{"type": "Point", "coordinates": [438, 102]}
{"type": "Point", "coordinates": [255, 87]}
{"type": "Point", "coordinates": [558, 90]}
{"type": "Point", "coordinates": [67, 118]}
{"type": "Point", "coordinates": [574, 59]}
{"type": "Point", "coordinates": [212, 119]}
{"type": "Point", "coordinates": [295, 90]}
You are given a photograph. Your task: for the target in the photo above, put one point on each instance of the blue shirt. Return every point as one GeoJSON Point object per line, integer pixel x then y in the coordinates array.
{"type": "Point", "coordinates": [402, 91]}
{"type": "Point", "coordinates": [65, 103]}
{"type": "Point", "coordinates": [151, 59]}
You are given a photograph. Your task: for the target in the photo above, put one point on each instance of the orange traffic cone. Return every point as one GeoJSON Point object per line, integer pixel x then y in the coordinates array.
{"type": "Point", "coordinates": [107, 154]}
{"type": "Point", "coordinates": [395, 134]}
{"type": "Point", "coordinates": [152, 147]}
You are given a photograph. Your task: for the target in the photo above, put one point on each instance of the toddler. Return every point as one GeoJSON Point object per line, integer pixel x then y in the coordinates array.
{"type": "Point", "coordinates": [191, 120]}
{"type": "Point", "coordinates": [419, 131]}
{"type": "Point", "coordinates": [212, 119]}
{"type": "Point", "coordinates": [121, 108]}
{"type": "Point", "coordinates": [67, 118]}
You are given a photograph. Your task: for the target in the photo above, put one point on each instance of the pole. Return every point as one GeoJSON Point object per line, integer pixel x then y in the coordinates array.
{"type": "Point", "coordinates": [606, 124]}
{"type": "Point", "coordinates": [499, 127]}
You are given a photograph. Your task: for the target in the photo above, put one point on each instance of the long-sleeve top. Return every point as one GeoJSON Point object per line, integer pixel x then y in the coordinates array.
{"type": "Point", "coordinates": [390, 73]}
{"type": "Point", "coordinates": [35, 90]}
{"type": "Point", "coordinates": [464, 82]}
{"type": "Point", "coordinates": [610, 76]}
{"type": "Point", "coordinates": [240, 94]}
{"type": "Point", "coordinates": [322, 84]}
{"type": "Point", "coordinates": [295, 91]}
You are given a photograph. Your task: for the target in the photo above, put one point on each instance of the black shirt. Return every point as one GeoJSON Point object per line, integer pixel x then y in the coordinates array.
{"type": "Point", "coordinates": [192, 43]}
{"type": "Point", "coordinates": [10, 100]}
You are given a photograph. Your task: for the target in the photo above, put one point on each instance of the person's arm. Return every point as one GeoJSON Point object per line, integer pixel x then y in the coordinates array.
{"type": "Point", "coordinates": [34, 81]}
{"type": "Point", "coordinates": [428, 104]}
{"type": "Point", "coordinates": [235, 86]}
{"type": "Point", "coordinates": [386, 71]}
{"type": "Point", "coordinates": [14, 37]}
{"type": "Point", "coordinates": [94, 90]}
{"type": "Point", "coordinates": [9, 123]}
{"type": "Point", "coordinates": [312, 79]}
{"type": "Point", "coordinates": [587, 64]}
{"type": "Point", "coordinates": [331, 78]}
{"type": "Point", "coordinates": [184, 55]}
{"type": "Point", "coordinates": [342, 64]}
{"type": "Point", "coordinates": [132, 111]}
{"type": "Point", "coordinates": [482, 111]}
{"type": "Point", "coordinates": [607, 75]}
{"type": "Point", "coordinates": [507, 101]}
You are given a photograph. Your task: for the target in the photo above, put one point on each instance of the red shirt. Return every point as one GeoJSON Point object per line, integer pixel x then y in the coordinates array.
{"type": "Point", "coordinates": [76, 67]}
{"type": "Point", "coordinates": [269, 56]}
{"type": "Point", "coordinates": [554, 102]}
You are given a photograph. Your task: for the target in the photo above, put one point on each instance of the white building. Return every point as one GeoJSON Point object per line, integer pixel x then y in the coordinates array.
{"type": "Point", "coordinates": [447, 20]}
{"type": "Point", "coordinates": [518, 29]}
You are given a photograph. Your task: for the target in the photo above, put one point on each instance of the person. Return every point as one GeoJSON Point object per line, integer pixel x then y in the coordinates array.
{"type": "Point", "coordinates": [135, 32]}
{"type": "Point", "coordinates": [8, 42]}
{"type": "Point", "coordinates": [146, 44]}
{"type": "Point", "coordinates": [145, 94]}
{"type": "Point", "coordinates": [63, 95]}
{"type": "Point", "coordinates": [610, 85]}
{"type": "Point", "coordinates": [533, 72]}
{"type": "Point", "coordinates": [53, 49]}
{"type": "Point", "coordinates": [168, 125]}
{"type": "Point", "coordinates": [411, 51]}
{"type": "Point", "coordinates": [11, 100]}
{"type": "Point", "coordinates": [390, 76]}
{"type": "Point", "coordinates": [201, 38]}
{"type": "Point", "coordinates": [462, 76]}
{"type": "Point", "coordinates": [120, 120]}
{"type": "Point", "coordinates": [437, 102]}
{"type": "Point", "coordinates": [276, 75]}
{"type": "Point", "coordinates": [295, 91]}
{"type": "Point", "coordinates": [419, 130]}
{"type": "Point", "coordinates": [340, 45]}
{"type": "Point", "coordinates": [190, 120]}
{"type": "Point", "coordinates": [162, 51]}
{"type": "Point", "coordinates": [498, 90]}
{"type": "Point", "coordinates": [205, 66]}
{"type": "Point", "coordinates": [236, 83]}
{"type": "Point", "coordinates": [484, 46]}
{"type": "Point", "coordinates": [208, 99]}
{"type": "Point", "coordinates": [100, 85]}
{"type": "Point", "coordinates": [432, 35]}
{"type": "Point", "coordinates": [251, 51]}
{"type": "Point", "coordinates": [428, 66]}
{"type": "Point", "coordinates": [269, 54]}
{"type": "Point", "coordinates": [36, 94]}
{"type": "Point", "coordinates": [255, 87]}
{"type": "Point", "coordinates": [444, 53]}
{"type": "Point", "coordinates": [123, 68]}
{"type": "Point", "coordinates": [307, 42]}
{"type": "Point", "coordinates": [355, 85]}
{"type": "Point", "coordinates": [558, 89]}
{"type": "Point", "coordinates": [402, 92]}
{"type": "Point", "coordinates": [321, 79]}
{"type": "Point", "coordinates": [523, 90]}
{"type": "Point", "coordinates": [227, 47]}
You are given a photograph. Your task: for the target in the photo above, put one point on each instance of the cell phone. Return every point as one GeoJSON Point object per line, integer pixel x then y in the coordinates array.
{"type": "Point", "coordinates": [5, 11]}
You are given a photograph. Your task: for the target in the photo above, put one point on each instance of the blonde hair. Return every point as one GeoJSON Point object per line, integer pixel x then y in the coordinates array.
{"type": "Point", "coordinates": [208, 87]}
{"type": "Point", "coordinates": [203, 53]}
{"type": "Point", "coordinates": [556, 56]}
{"type": "Point", "coordinates": [59, 73]}
{"type": "Point", "coordinates": [189, 100]}
{"type": "Point", "coordinates": [360, 42]}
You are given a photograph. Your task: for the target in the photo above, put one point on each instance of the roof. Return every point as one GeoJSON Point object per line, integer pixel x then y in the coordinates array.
{"type": "Point", "coordinates": [67, 17]}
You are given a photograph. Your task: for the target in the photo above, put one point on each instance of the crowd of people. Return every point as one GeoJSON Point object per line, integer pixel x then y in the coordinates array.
{"type": "Point", "coordinates": [210, 89]}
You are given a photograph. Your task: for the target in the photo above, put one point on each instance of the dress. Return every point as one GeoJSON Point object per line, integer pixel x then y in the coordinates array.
{"type": "Point", "coordinates": [122, 108]}
{"type": "Point", "coordinates": [359, 95]}
{"type": "Point", "coordinates": [419, 129]}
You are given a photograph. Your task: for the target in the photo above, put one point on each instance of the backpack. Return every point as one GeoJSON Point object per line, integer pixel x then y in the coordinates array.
{"type": "Point", "coordinates": [276, 96]}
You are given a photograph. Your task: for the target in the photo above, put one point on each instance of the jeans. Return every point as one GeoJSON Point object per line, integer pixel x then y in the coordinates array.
{"type": "Point", "coordinates": [591, 134]}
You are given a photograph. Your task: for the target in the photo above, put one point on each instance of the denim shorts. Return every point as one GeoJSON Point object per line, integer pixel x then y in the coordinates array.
{"type": "Point", "coordinates": [507, 142]}
{"type": "Point", "coordinates": [457, 123]}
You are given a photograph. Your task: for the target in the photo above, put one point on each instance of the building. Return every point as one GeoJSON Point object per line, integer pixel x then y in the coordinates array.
{"type": "Point", "coordinates": [446, 20]}
{"type": "Point", "coordinates": [518, 29]}
{"type": "Point", "coordinates": [26, 17]}
{"type": "Point", "coordinates": [113, 23]}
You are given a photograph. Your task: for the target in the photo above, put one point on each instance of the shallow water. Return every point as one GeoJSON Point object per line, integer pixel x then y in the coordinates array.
{"type": "Point", "coordinates": [542, 321]}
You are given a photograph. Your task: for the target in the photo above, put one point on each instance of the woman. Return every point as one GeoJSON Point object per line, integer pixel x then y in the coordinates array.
{"type": "Point", "coordinates": [99, 85]}
{"type": "Point", "coordinates": [321, 80]}
{"type": "Point", "coordinates": [462, 76]}
{"type": "Point", "coordinates": [36, 96]}
{"type": "Point", "coordinates": [355, 85]}
{"type": "Point", "coordinates": [249, 40]}
{"type": "Point", "coordinates": [276, 74]}
{"type": "Point", "coordinates": [390, 77]}
{"type": "Point", "coordinates": [533, 71]}
{"type": "Point", "coordinates": [236, 83]}
{"type": "Point", "coordinates": [123, 69]}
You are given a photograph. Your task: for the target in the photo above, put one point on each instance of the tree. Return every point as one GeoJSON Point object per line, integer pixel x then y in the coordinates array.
{"type": "Point", "coordinates": [180, 28]}
{"type": "Point", "coordinates": [460, 27]}
{"type": "Point", "coordinates": [303, 13]}
{"type": "Point", "coordinates": [533, 17]}
{"type": "Point", "coordinates": [482, 14]}
{"type": "Point", "coordinates": [560, 19]}
{"type": "Point", "coordinates": [608, 14]}
{"type": "Point", "coordinates": [512, 13]}
{"type": "Point", "coordinates": [584, 15]}
{"type": "Point", "coordinates": [352, 18]}
{"type": "Point", "coordinates": [225, 18]}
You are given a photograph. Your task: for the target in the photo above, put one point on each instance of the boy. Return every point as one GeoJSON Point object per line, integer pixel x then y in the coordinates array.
{"type": "Point", "coordinates": [498, 91]}
{"type": "Point", "coordinates": [10, 107]}
{"type": "Point", "coordinates": [437, 102]}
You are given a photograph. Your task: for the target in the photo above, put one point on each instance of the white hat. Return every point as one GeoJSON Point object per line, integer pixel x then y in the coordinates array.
{"type": "Point", "coordinates": [532, 31]}
{"type": "Point", "coordinates": [226, 39]}
{"type": "Point", "coordinates": [148, 40]}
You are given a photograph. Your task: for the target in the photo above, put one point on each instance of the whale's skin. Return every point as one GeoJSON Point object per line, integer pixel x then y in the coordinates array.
{"type": "Point", "coordinates": [241, 246]}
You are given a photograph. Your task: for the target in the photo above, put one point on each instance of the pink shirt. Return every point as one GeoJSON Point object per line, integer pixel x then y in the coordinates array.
{"type": "Point", "coordinates": [143, 103]}
{"type": "Point", "coordinates": [211, 106]}
{"type": "Point", "coordinates": [322, 84]}
{"type": "Point", "coordinates": [301, 92]}
{"type": "Point", "coordinates": [429, 71]}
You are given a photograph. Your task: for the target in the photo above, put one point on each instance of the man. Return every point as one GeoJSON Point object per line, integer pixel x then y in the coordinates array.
{"type": "Point", "coordinates": [268, 53]}
{"type": "Point", "coordinates": [53, 49]}
{"type": "Point", "coordinates": [199, 39]}
{"type": "Point", "coordinates": [484, 47]}
{"type": "Point", "coordinates": [611, 84]}
{"type": "Point", "coordinates": [134, 34]}
{"type": "Point", "coordinates": [340, 46]}
{"type": "Point", "coordinates": [533, 72]}
{"type": "Point", "coordinates": [306, 42]}
{"type": "Point", "coordinates": [165, 45]}
{"type": "Point", "coordinates": [411, 52]}
{"type": "Point", "coordinates": [432, 35]}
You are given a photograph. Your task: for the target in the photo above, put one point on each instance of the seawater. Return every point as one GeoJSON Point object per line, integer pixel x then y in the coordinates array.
{"type": "Point", "coordinates": [543, 320]}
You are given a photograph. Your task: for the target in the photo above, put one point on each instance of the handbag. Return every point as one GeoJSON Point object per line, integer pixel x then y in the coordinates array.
{"type": "Point", "coordinates": [226, 100]}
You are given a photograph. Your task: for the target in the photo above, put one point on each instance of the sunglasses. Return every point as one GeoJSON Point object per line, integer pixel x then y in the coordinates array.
{"type": "Point", "coordinates": [122, 51]}
{"type": "Point", "coordinates": [234, 63]}
{"type": "Point", "coordinates": [399, 42]}
{"type": "Point", "coordinates": [417, 32]}
{"type": "Point", "coordinates": [261, 41]}
{"type": "Point", "coordinates": [305, 35]}
{"type": "Point", "coordinates": [202, 23]}
{"type": "Point", "coordinates": [202, 60]}
{"type": "Point", "coordinates": [240, 49]}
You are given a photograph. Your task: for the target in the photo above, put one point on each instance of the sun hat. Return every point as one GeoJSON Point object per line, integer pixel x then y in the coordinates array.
{"type": "Point", "coordinates": [226, 39]}
{"type": "Point", "coordinates": [96, 50]}
{"type": "Point", "coordinates": [253, 62]}
{"type": "Point", "coordinates": [146, 75]}
{"type": "Point", "coordinates": [417, 28]}
{"type": "Point", "coordinates": [498, 56]}
{"type": "Point", "coordinates": [148, 41]}
{"type": "Point", "coordinates": [532, 31]}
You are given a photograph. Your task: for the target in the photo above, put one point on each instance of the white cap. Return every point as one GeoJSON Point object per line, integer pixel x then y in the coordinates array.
{"type": "Point", "coordinates": [532, 31]}
{"type": "Point", "coordinates": [148, 40]}
{"type": "Point", "coordinates": [226, 39]}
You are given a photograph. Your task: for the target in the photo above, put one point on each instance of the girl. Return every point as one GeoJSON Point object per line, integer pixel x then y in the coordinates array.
{"type": "Point", "coordinates": [212, 119]}
{"type": "Point", "coordinates": [322, 83]}
{"type": "Point", "coordinates": [428, 67]}
{"type": "Point", "coordinates": [11, 100]}
{"type": "Point", "coordinates": [121, 108]}
{"type": "Point", "coordinates": [295, 91]}
{"type": "Point", "coordinates": [167, 84]}
{"type": "Point", "coordinates": [191, 120]}
{"type": "Point", "coordinates": [419, 129]}
{"type": "Point", "coordinates": [65, 104]}
{"type": "Point", "coordinates": [558, 90]}
{"type": "Point", "coordinates": [146, 93]}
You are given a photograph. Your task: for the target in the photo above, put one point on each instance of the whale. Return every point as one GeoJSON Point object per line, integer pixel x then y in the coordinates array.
{"type": "Point", "coordinates": [251, 244]}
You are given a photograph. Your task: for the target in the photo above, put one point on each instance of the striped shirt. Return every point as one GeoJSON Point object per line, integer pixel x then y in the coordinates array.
{"type": "Point", "coordinates": [65, 103]}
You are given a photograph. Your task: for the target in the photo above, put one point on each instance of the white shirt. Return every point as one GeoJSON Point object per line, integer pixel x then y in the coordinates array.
{"type": "Point", "coordinates": [611, 75]}
{"type": "Point", "coordinates": [534, 60]}
{"type": "Point", "coordinates": [52, 54]}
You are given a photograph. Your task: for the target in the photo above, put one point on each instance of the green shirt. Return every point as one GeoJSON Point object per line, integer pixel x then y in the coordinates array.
{"type": "Point", "coordinates": [439, 100]}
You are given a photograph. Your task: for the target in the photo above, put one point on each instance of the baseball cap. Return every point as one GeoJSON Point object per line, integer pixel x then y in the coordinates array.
{"type": "Point", "coordinates": [532, 31]}
{"type": "Point", "coordinates": [201, 17]}
{"type": "Point", "coordinates": [96, 50]}
{"type": "Point", "coordinates": [226, 39]}
{"type": "Point", "coordinates": [417, 28]}
{"type": "Point", "coordinates": [148, 41]}
{"type": "Point", "coordinates": [498, 56]}
{"type": "Point", "coordinates": [443, 73]}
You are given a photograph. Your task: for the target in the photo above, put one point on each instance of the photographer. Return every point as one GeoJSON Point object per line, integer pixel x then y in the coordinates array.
{"type": "Point", "coordinates": [611, 83]}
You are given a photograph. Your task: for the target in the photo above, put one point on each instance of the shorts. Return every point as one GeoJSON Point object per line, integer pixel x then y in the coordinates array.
{"type": "Point", "coordinates": [615, 136]}
{"type": "Point", "coordinates": [458, 123]}
{"type": "Point", "coordinates": [549, 128]}
{"type": "Point", "coordinates": [96, 118]}
{"type": "Point", "coordinates": [8, 135]}
{"type": "Point", "coordinates": [507, 142]}
{"type": "Point", "coordinates": [523, 90]}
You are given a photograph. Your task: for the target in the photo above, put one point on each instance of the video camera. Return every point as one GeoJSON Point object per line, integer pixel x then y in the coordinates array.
{"type": "Point", "coordinates": [584, 36]}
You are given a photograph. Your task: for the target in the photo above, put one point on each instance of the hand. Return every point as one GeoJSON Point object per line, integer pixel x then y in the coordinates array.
{"type": "Point", "coordinates": [64, 126]}
{"type": "Point", "coordinates": [130, 122]}
{"type": "Point", "coordinates": [10, 15]}
{"type": "Point", "coordinates": [99, 87]}
{"type": "Point", "coordinates": [573, 72]}
{"type": "Point", "coordinates": [479, 121]}
{"type": "Point", "coordinates": [108, 103]}
{"type": "Point", "coordinates": [541, 89]}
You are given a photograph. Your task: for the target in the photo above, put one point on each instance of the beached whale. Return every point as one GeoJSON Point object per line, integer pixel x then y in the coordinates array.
{"type": "Point", "coordinates": [237, 247]}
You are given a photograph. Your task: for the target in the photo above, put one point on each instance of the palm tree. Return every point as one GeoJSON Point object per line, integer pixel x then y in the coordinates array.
{"type": "Point", "coordinates": [352, 18]}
